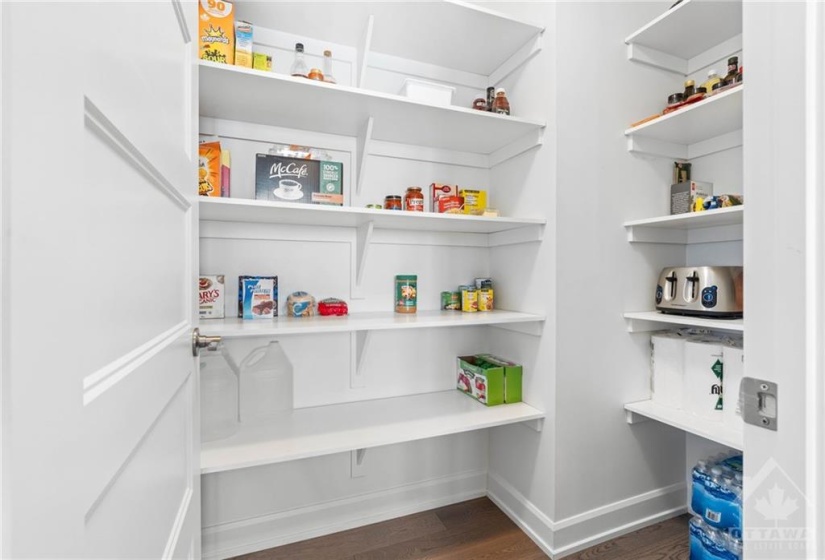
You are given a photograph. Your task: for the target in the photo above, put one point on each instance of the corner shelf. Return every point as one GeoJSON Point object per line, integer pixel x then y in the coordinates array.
{"type": "Point", "coordinates": [709, 126]}
{"type": "Point", "coordinates": [279, 100]}
{"type": "Point", "coordinates": [370, 321]}
{"type": "Point", "coordinates": [646, 321]}
{"type": "Point", "coordinates": [689, 36]}
{"type": "Point", "coordinates": [488, 38]}
{"type": "Point", "coordinates": [312, 432]}
{"type": "Point", "coordinates": [714, 431]}
{"type": "Point", "coordinates": [722, 224]}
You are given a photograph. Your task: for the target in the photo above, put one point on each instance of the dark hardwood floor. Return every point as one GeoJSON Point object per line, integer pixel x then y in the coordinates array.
{"type": "Point", "coordinates": [474, 530]}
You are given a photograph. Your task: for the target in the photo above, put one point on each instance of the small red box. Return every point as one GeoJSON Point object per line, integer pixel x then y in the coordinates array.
{"type": "Point", "coordinates": [439, 191]}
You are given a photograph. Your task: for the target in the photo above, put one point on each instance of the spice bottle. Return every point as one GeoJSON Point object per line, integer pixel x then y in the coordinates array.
{"type": "Point", "coordinates": [733, 70]}
{"type": "Point", "coordinates": [299, 66]}
{"type": "Point", "coordinates": [328, 77]}
{"type": "Point", "coordinates": [414, 200]}
{"type": "Point", "coordinates": [491, 95]}
{"type": "Point", "coordinates": [690, 89]}
{"type": "Point", "coordinates": [480, 103]}
{"type": "Point", "coordinates": [316, 74]}
{"type": "Point", "coordinates": [500, 103]}
{"type": "Point", "coordinates": [713, 78]}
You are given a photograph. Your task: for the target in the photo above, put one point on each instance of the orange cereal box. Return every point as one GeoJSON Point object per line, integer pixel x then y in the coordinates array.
{"type": "Point", "coordinates": [216, 31]}
{"type": "Point", "coordinates": [209, 169]}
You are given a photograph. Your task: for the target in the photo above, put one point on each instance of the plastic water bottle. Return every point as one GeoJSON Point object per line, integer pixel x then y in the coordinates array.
{"type": "Point", "coordinates": [218, 396]}
{"type": "Point", "coordinates": [265, 383]}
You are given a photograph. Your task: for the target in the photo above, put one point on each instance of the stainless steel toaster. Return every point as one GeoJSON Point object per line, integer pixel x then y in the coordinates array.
{"type": "Point", "coordinates": [708, 291]}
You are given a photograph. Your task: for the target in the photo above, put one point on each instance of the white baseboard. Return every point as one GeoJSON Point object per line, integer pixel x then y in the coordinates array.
{"type": "Point", "coordinates": [243, 537]}
{"type": "Point", "coordinates": [567, 536]}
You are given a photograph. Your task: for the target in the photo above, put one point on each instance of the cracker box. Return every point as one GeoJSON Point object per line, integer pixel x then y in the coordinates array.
{"type": "Point", "coordinates": [257, 297]}
{"type": "Point", "coordinates": [211, 290]}
{"type": "Point", "coordinates": [475, 201]}
{"type": "Point", "coordinates": [216, 31]}
{"type": "Point", "coordinates": [209, 169]}
{"type": "Point", "coordinates": [489, 379]}
{"type": "Point", "coordinates": [439, 191]}
{"type": "Point", "coordinates": [285, 179]}
{"type": "Point", "coordinates": [243, 44]}
{"type": "Point", "coordinates": [684, 195]}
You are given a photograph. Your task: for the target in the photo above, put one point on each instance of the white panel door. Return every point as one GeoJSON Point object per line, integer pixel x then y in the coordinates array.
{"type": "Point", "coordinates": [99, 264]}
{"type": "Point", "coordinates": [784, 247]}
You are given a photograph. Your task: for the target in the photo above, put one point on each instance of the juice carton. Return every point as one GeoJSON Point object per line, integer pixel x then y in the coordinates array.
{"type": "Point", "coordinates": [216, 31]}
{"type": "Point", "coordinates": [243, 44]}
{"type": "Point", "coordinates": [209, 169]}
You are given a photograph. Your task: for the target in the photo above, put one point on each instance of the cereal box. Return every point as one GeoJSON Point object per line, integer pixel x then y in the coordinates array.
{"type": "Point", "coordinates": [209, 169]}
{"type": "Point", "coordinates": [243, 44]}
{"type": "Point", "coordinates": [257, 297]}
{"type": "Point", "coordinates": [216, 31]}
{"type": "Point", "coordinates": [474, 201]}
{"type": "Point", "coordinates": [211, 290]}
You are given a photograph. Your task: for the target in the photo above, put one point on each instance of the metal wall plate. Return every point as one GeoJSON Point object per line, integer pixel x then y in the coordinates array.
{"type": "Point", "coordinates": [760, 402]}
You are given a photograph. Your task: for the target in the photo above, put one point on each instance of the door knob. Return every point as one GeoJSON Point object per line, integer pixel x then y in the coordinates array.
{"type": "Point", "coordinates": [199, 341]}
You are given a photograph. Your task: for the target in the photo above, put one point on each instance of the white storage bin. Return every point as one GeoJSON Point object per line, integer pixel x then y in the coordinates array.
{"type": "Point", "coordinates": [427, 92]}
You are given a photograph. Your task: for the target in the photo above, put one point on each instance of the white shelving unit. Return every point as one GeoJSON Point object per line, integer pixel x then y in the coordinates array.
{"type": "Point", "coordinates": [311, 432]}
{"type": "Point", "coordinates": [723, 224]}
{"type": "Point", "coordinates": [709, 126]}
{"type": "Point", "coordinates": [714, 431]}
{"type": "Point", "coordinates": [376, 321]}
{"type": "Point", "coordinates": [645, 321]}
{"type": "Point", "coordinates": [689, 36]}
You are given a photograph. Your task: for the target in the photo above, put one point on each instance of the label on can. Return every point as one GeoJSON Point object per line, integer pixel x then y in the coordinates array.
{"type": "Point", "coordinates": [451, 301]}
{"type": "Point", "coordinates": [469, 300]}
{"type": "Point", "coordinates": [485, 299]}
{"type": "Point", "coordinates": [406, 293]}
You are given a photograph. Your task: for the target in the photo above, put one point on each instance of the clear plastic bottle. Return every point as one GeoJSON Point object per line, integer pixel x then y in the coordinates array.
{"type": "Point", "coordinates": [265, 383]}
{"type": "Point", "coordinates": [299, 65]}
{"type": "Point", "coordinates": [328, 75]}
{"type": "Point", "coordinates": [218, 396]}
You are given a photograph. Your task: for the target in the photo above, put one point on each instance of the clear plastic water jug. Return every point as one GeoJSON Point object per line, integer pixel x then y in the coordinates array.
{"type": "Point", "coordinates": [219, 396]}
{"type": "Point", "coordinates": [265, 383]}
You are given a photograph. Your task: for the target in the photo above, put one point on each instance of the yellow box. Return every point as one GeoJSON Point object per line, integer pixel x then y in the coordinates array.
{"type": "Point", "coordinates": [216, 31]}
{"type": "Point", "coordinates": [474, 201]}
{"type": "Point", "coordinates": [261, 61]}
{"type": "Point", "coordinates": [243, 44]}
{"type": "Point", "coordinates": [209, 169]}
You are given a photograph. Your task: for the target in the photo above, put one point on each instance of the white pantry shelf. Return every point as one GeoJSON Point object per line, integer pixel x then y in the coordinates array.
{"type": "Point", "coordinates": [242, 94]}
{"type": "Point", "coordinates": [323, 430]}
{"type": "Point", "coordinates": [646, 321]}
{"type": "Point", "coordinates": [422, 32]}
{"type": "Point", "coordinates": [709, 126]}
{"type": "Point", "coordinates": [370, 321]}
{"type": "Point", "coordinates": [689, 36]}
{"type": "Point", "coordinates": [262, 211]}
{"type": "Point", "coordinates": [712, 430]}
{"type": "Point", "coordinates": [722, 224]}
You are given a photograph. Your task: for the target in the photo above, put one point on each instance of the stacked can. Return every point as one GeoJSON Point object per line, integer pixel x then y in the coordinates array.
{"type": "Point", "coordinates": [470, 298]}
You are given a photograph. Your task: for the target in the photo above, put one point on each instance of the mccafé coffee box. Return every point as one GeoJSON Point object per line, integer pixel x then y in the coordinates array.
{"type": "Point", "coordinates": [285, 179]}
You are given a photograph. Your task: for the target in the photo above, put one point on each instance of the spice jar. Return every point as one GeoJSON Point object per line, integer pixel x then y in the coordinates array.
{"type": "Point", "coordinates": [392, 202]}
{"type": "Point", "coordinates": [690, 89]}
{"type": "Point", "coordinates": [414, 200]}
{"type": "Point", "coordinates": [406, 293]}
{"type": "Point", "coordinates": [480, 103]}
{"type": "Point", "coordinates": [500, 104]}
{"type": "Point", "coordinates": [316, 74]}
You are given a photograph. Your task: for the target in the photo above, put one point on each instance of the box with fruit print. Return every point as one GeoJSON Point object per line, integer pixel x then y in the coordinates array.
{"type": "Point", "coordinates": [489, 379]}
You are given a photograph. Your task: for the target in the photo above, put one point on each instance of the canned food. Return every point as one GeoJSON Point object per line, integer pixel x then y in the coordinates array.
{"type": "Point", "coordinates": [469, 300]}
{"type": "Point", "coordinates": [451, 301]}
{"type": "Point", "coordinates": [483, 283]}
{"type": "Point", "coordinates": [406, 293]}
{"type": "Point", "coordinates": [485, 299]}
{"type": "Point", "coordinates": [392, 202]}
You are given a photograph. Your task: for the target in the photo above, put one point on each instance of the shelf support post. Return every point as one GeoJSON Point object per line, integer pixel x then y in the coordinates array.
{"type": "Point", "coordinates": [359, 341]}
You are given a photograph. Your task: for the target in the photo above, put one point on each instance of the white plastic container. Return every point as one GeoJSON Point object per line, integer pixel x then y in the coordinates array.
{"type": "Point", "coordinates": [427, 92]}
{"type": "Point", "coordinates": [265, 383]}
{"type": "Point", "coordinates": [219, 397]}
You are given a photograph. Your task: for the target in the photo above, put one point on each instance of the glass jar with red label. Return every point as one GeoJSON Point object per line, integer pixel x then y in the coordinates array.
{"type": "Point", "coordinates": [414, 200]}
{"type": "Point", "coordinates": [392, 202]}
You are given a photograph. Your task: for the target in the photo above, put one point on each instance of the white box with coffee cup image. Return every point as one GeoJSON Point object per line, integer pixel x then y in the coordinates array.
{"type": "Point", "coordinates": [285, 179]}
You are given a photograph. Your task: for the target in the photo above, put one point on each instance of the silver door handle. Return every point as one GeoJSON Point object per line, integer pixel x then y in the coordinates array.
{"type": "Point", "coordinates": [199, 341]}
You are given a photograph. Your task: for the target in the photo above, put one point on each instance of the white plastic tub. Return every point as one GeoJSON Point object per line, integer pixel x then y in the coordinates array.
{"type": "Point", "coordinates": [427, 92]}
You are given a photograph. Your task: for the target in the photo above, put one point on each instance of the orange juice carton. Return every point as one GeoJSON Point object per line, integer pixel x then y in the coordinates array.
{"type": "Point", "coordinates": [209, 169]}
{"type": "Point", "coordinates": [243, 44]}
{"type": "Point", "coordinates": [216, 31]}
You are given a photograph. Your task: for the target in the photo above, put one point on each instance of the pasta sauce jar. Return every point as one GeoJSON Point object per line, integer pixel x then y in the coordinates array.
{"type": "Point", "coordinates": [392, 202]}
{"type": "Point", "coordinates": [414, 200]}
{"type": "Point", "coordinates": [406, 293]}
